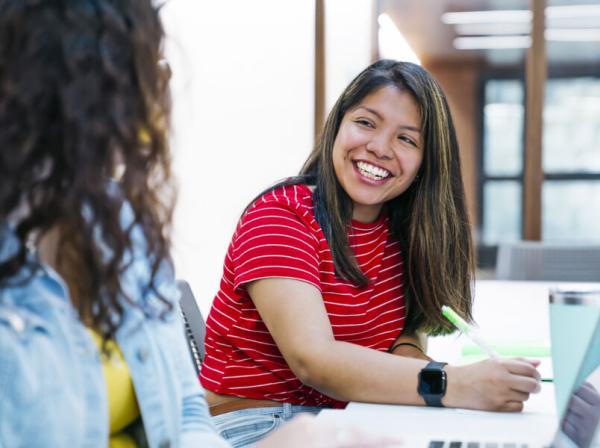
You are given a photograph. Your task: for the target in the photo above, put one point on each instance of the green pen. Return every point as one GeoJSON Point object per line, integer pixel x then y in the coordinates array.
{"type": "Point", "coordinates": [467, 330]}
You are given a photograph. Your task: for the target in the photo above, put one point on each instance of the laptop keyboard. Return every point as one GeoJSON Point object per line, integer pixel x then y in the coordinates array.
{"type": "Point", "coordinates": [458, 444]}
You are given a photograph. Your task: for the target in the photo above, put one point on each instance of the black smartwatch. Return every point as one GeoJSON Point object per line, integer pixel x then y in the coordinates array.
{"type": "Point", "coordinates": [432, 383]}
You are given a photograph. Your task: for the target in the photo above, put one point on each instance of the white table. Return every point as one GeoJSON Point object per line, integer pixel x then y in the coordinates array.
{"type": "Point", "coordinates": [418, 425]}
{"type": "Point", "coordinates": [511, 313]}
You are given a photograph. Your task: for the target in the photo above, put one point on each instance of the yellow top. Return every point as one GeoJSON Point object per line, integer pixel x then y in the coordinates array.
{"type": "Point", "coordinates": [122, 404]}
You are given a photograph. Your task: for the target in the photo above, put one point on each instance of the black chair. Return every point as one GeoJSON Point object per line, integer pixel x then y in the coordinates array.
{"type": "Point", "coordinates": [195, 328]}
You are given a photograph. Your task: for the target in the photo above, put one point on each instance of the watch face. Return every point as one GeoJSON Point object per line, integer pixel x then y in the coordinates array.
{"type": "Point", "coordinates": [432, 382]}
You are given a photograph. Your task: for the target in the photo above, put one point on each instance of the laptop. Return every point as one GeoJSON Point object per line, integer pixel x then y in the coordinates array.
{"type": "Point", "coordinates": [536, 427]}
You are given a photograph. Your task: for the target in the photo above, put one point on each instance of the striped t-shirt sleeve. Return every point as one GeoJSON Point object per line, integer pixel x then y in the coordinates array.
{"type": "Point", "coordinates": [273, 241]}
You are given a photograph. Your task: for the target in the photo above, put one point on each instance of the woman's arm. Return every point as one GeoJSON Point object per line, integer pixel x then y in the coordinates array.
{"type": "Point", "coordinates": [295, 315]}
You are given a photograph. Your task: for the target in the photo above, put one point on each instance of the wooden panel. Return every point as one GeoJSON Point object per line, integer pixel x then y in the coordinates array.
{"type": "Point", "coordinates": [374, 30]}
{"type": "Point", "coordinates": [536, 72]}
{"type": "Point", "coordinates": [319, 66]}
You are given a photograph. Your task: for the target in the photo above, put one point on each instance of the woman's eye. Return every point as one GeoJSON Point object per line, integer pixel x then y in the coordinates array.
{"type": "Point", "coordinates": [408, 140]}
{"type": "Point", "coordinates": [363, 122]}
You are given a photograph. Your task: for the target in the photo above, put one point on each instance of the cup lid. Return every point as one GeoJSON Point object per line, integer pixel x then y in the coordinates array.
{"type": "Point", "coordinates": [590, 297]}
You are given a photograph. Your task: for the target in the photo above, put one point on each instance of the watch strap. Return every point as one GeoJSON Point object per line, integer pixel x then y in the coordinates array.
{"type": "Point", "coordinates": [434, 400]}
{"type": "Point", "coordinates": [435, 365]}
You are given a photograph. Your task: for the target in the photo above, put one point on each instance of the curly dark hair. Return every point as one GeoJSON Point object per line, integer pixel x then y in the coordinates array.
{"type": "Point", "coordinates": [82, 93]}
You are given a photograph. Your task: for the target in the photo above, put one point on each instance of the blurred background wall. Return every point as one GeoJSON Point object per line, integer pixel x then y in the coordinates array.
{"type": "Point", "coordinates": [253, 80]}
{"type": "Point", "coordinates": [243, 93]}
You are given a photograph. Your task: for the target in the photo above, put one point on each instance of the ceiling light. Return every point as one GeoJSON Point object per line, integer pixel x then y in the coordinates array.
{"type": "Point", "coordinates": [492, 16]}
{"type": "Point", "coordinates": [572, 11]}
{"type": "Point", "coordinates": [573, 35]}
{"type": "Point", "coordinates": [491, 42]}
{"type": "Point", "coordinates": [516, 41]}
{"type": "Point", "coordinates": [480, 29]}
{"type": "Point", "coordinates": [520, 15]}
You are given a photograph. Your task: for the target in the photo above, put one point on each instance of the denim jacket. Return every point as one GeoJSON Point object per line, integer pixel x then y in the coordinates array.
{"type": "Point", "coordinates": [52, 390]}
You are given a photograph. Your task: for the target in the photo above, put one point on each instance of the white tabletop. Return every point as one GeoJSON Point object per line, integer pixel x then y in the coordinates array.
{"type": "Point", "coordinates": [417, 425]}
{"type": "Point", "coordinates": [507, 313]}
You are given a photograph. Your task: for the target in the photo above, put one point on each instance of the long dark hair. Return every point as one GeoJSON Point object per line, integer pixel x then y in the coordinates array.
{"type": "Point", "coordinates": [82, 93]}
{"type": "Point", "coordinates": [429, 219]}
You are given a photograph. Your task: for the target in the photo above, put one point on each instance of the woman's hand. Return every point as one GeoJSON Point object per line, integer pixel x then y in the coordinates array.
{"type": "Point", "coordinates": [305, 430]}
{"type": "Point", "coordinates": [492, 385]}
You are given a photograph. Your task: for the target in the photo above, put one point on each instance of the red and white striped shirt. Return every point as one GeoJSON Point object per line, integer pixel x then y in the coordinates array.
{"type": "Point", "coordinates": [279, 237]}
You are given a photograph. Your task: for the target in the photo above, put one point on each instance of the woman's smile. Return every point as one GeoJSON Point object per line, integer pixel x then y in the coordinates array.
{"type": "Point", "coordinates": [371, 172]}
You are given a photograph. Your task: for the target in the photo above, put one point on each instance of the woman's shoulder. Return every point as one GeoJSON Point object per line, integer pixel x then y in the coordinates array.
{"type": "Point", "coordinates": [30, 340]}
{"type": "Point", "coordinates": [287, 205]}
{"type": "Point", "coordinates": [32, 299]}
{"type": "Point", "coordinates": [41, 377]}
{"type": "Point", "coordinates": [294, 197]}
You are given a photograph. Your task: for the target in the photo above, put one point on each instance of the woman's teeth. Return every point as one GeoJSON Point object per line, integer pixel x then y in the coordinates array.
{"type": "Point", "coordinates": [372, 171]}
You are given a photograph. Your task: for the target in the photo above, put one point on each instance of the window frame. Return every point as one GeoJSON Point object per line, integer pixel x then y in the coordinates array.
{"type": "Point", "coordinates": [486, 253]}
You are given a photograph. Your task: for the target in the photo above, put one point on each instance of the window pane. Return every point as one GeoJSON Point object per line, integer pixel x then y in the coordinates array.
{"type": "Point", "coordinates": [571, 211]}
{"type": "Point", "coordinates": [502, 212]}
{"type": "Point", "coordinates": [572, 125]}
{"type": "Point", "coordinates": [503, 127]}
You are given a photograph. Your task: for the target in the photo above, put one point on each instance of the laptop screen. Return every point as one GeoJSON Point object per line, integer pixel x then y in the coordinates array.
{"type": "Point", "coordinates": [579, 426]}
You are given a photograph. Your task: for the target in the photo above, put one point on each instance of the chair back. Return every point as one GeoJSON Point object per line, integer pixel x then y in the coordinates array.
{"type": "Point", "coordinates": [536, 260]}
{"type": "Point", "coordinates": [195, 327]}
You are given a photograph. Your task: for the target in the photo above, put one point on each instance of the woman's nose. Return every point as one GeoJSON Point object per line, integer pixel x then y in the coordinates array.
{"type": "Point", "coordinates": [379, 146]}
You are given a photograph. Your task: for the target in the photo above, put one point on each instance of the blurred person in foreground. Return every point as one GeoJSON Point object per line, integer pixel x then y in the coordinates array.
{"type": "Point", "coordinates": [92, 350]}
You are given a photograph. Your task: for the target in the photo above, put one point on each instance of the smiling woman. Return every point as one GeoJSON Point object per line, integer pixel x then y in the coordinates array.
{"type": "Point", "coordinates": [332, 272]}
{"type": "Point", "coordinates": [378, 150]}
